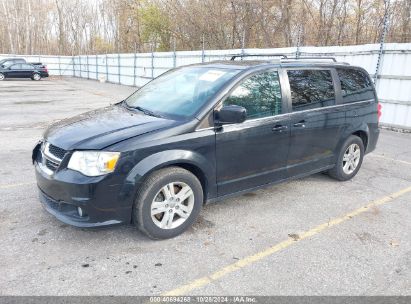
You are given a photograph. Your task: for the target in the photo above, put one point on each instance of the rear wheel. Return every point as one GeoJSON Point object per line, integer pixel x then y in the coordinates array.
{"type": "Point", "coordinates": [167, 203]}
{"type": "Point", "coordinates": [36, 77]}
{"type": "Point", "coordinates": [349, 160]}
{"type": "Point", "coordinates": [2, 77]}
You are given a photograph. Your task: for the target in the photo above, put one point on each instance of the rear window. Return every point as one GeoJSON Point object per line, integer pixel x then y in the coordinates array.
{"type": "Point", "coordinates": [311, 89]}
{"type": "Point", "coordinates": [355, 85]}
{"type": "Point", "coordinates": [26, 67]}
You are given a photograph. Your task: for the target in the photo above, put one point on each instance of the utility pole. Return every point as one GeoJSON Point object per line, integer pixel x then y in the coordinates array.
{"type": "Point", "coordinates": [382, 39]}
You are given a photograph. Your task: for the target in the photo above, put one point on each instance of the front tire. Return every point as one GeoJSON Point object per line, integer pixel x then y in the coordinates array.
{"type": "Point", "coordinates": [349, 160]}
{"type": "Point", "coordinates": [2, 76]}
{"type": "Point", "coordinates": [167, 203]}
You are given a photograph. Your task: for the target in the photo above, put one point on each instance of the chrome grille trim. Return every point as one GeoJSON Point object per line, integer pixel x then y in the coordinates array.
{"type": "Point", "coordinates": [49, 162]}
{"type": "Point", "coordinates": [49, 155]}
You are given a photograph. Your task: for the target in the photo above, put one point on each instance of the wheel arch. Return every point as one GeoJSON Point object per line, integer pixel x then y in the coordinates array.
{"type": "Point", "coordinates": [362, 131]}
{"type": "Point", "coordinates": [364, 137]}
{"type": "Point", "coordinates": [194, 162]}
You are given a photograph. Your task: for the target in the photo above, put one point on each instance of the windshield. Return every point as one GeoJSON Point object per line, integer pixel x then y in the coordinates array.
{"type": "Point", "coordinates": [180, 93]}
{"type": "Point", "coordinates": [8, 63]}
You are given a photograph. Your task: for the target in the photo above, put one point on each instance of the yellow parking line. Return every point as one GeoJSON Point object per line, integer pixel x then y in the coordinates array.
{"type": "Point", "coordinates": [184, 289]}
{"type": "Point", "coordinates": [15, 185]}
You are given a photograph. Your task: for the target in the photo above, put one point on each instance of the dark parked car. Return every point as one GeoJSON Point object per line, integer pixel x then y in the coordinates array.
{"type": "Point", "coordinates": [23, 70]}
{"type": "Point", "coordinates": [4, 63]}
{"type": "Point", "coordinates": [202, 133]}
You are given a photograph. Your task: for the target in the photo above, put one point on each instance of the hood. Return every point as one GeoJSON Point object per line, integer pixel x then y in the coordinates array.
{"type": "Point", "coordinates": [101, 128]}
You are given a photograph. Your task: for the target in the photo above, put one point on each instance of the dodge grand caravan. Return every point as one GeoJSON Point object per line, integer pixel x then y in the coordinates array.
{"type": "Point", "coordinates": [204, 132]}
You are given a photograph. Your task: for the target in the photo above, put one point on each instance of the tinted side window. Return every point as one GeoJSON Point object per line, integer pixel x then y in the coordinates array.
{"type": "Point", "coordinates": [355, 85]}
{"type": "Point", "coordinates": [260, 94]}
{"type": "Point", "coordinates": [311, 89]}
{"type": "Point", "coordinates": [16, 66]}
{"type": "Point", "coordinates": [27, 67]}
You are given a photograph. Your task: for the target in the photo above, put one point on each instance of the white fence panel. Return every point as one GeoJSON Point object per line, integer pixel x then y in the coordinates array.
{"type": "Point", "coordinates": [393, 84]}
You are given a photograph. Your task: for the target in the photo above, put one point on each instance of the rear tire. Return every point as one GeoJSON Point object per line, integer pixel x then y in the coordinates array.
{"type": "Point", "coordinates": [36, 77]}
{"type": "Point", "coordinates": [167, 203]}
{"type": "Point", "coordinates": [2, 76]}
{"type": "Point", "coordinates": [349, 160]}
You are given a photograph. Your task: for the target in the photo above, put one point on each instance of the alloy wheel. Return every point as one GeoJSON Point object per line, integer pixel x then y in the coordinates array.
{"type": "Point", "coordinates": [172, 205]}
{"type": "Point", "coordinates": [351, 158]}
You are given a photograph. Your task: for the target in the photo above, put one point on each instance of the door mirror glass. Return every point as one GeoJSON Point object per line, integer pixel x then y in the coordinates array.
{"type": "Point", "coordinates": [231, 114]}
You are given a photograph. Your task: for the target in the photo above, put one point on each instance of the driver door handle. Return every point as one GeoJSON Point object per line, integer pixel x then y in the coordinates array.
{"type": "Point", "coordinates": [279, 128]}
{"type": "Point", "coordinates": [300, 124]}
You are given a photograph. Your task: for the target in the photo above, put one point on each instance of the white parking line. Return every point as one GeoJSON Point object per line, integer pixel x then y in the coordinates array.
{"type": "Point", "coordinates": [389, 158]}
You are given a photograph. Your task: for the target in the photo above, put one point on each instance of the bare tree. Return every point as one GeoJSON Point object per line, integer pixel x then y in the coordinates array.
{"type": "Point", "coordinates": [101, 26]}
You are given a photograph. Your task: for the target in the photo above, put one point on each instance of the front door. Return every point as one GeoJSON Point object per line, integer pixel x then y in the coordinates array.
{"type": "Point", "coordinates": [14, 71]}
{"type": "Point", "coordinates": [316, 123]}
{"type": "Point", "coordinates": [254, 152]}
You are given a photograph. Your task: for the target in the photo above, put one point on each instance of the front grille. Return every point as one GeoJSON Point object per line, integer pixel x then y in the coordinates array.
{"type": "Point", "coordinates": [51, 157]}
{"type": "Point", "coordinates": [51, 165]}
{"type": "Point", "coordinates": [56, 151]}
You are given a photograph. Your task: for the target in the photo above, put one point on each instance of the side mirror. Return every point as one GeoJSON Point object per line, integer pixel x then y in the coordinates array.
{"type": "Point", "coordinates": [230, 115]}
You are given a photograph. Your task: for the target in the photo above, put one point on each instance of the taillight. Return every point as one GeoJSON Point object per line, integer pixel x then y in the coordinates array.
{"type": "Point", "coordinates": [379, 107]}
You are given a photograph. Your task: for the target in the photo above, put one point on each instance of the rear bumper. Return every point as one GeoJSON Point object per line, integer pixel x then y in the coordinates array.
{"type": "Point", "coordinates": [372, 139]}
{"type": "Point", "coordinates": [100, 200]}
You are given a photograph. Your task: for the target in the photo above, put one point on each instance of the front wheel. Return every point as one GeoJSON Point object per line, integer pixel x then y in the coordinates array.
{"type": "Point", "coordinates": [2, 76]}
{"type": "Point", "coordinates": [167, 203]}
{"type": "Point", "coordinates": [349, 160]}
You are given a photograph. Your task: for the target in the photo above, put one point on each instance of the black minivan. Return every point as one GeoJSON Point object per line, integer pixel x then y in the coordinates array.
{"type": "Point", "coordinates": [204, 132]}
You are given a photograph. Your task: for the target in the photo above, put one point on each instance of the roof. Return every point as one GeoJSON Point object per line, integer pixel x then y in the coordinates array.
{"type": "Point", "coordinates": [247, 64]}
{"type": "Point", "coordinates": [285, 62]}
{"type": "Point", "coordinates": [7, 59]}
{"type": "Point", "coordinates": [237, 64]}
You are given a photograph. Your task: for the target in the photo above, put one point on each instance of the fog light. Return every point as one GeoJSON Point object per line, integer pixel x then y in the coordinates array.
{"type": "Point", "coordinates": [81, 212]}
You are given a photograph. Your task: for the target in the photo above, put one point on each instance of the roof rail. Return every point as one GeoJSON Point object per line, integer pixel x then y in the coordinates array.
{"type": "Point", "coordinates": [258, 55]}
{"type": "Point", "coordinates": [314, 57]}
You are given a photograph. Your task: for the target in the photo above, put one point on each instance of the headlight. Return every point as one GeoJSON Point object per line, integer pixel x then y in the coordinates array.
{"type": "Point", "coordinates": [93, 163]}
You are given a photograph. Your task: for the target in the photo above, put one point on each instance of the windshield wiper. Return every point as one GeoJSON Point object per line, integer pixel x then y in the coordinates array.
{"type": "Point", "coordinates": [141, 109]}
{"type": "Point", "coordinates": [147, 112]}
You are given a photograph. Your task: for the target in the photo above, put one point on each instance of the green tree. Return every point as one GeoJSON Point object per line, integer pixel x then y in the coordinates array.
{"type": "Point", "coordinates": [156, 27]}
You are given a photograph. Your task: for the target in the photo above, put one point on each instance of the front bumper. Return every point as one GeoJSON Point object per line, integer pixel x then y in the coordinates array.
{"type": "Point", "coordinates": [102, 200]}
{"type": "Point", "coordinates": [67, 213]}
